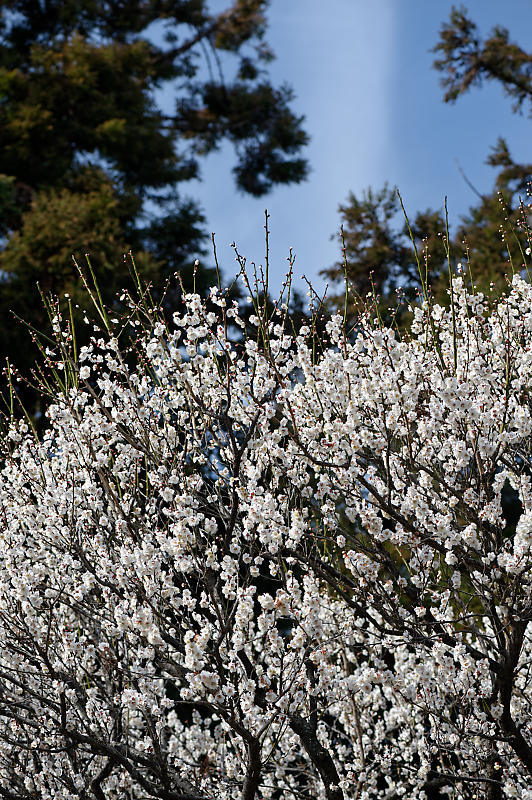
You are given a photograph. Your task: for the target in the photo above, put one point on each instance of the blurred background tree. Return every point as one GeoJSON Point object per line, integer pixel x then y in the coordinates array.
{"type": "Point", "coordinates": [378, 251]}
{"type": "Point", "coordinates": [90, 163]}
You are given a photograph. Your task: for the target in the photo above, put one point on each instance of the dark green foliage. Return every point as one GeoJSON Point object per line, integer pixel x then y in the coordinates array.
{"type": "Point", "coordinates": [379, 258]}
{"type": "Point", "coordinates": [375, 253]}
{"type": "Point", "coordinates": [258, 120]}
{"type": "Point", "coordinates": [466, 60]}
{"type": "Point", "coordinates": [86, 152]}
{"type": "Point", "coordinates": [491, 239]}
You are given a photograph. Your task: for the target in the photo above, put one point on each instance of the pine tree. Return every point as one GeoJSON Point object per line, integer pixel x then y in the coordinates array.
{"type": "Point", "coordinates": [466, 61]}
{"type": "Point", "coordinates": [491, 239]}
{"type": "Point", "coordinates": [378, 258]}
{"type": "Point", "coordinates": [90, 163]}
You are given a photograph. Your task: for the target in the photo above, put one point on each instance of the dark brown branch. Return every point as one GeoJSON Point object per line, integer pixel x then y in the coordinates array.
{"type": "Point", "coordinates": [253, 773]}
{"type": "Point", "coordinates": [319, 756]}
{"type": "Point", "coordinates": [97, 781]}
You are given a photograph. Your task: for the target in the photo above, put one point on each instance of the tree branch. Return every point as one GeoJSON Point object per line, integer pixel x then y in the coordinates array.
{"type": "Point", "coordinates": [319, 756]}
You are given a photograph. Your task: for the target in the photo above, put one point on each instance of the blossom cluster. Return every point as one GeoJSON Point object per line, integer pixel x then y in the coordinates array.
{"type": "Point", "coordinates": [250, 566]}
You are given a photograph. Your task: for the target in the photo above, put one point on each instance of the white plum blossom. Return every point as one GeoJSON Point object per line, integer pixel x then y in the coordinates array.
{"type": "Point", "coordinates": [254, 567]}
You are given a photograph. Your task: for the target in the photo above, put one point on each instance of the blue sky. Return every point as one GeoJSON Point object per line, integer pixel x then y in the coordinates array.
{"type": "Point", "coordinates": [361, 71]}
